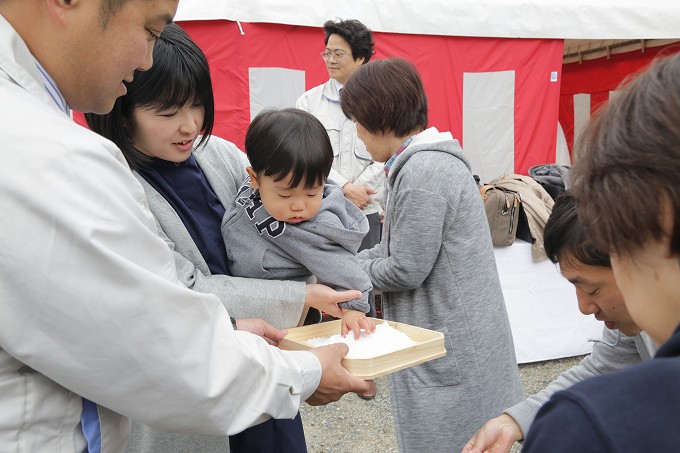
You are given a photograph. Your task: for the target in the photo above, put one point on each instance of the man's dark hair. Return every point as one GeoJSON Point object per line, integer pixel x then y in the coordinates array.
{"type": "Point", "coordinates": [359, 38]}
{"type": "Point", "coordinates": [179, 76]}
{"type": "Point", "coordinates": [289, 142]}
{"type": "Point", "coordinates": [565, 239]}
{"type": "Point", "coordinates": [386, 96]}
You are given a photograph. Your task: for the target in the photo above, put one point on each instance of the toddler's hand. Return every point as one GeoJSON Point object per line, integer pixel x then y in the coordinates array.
{"type": "Point", "coordinates": [355, 321]}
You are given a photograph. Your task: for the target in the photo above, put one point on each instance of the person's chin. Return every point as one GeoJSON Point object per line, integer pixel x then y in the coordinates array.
{"type": "Point", "coordinates": [611, 325]}
{"type": "Point", "coordinates": [103, 107]}
{"type": "Point", "coordinates": [630, 331]}
{"type": "Point", "coordinates": [627, 329]}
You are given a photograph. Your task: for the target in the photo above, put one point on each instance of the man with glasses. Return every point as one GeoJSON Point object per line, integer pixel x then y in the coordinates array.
{"type": "Point", "coordinates": [349, 44]}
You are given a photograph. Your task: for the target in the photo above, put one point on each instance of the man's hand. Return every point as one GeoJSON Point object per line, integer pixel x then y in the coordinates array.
{"type": "Point", "coordinates": [263, 329]}
{"type": "Point", "coordinates": [358, 194]}
{"type": "Point", "coordinates": [355, 321]}
{"type": "Point", "coordinates": [496, 436]}
{"type": "Point", "coordinates": [326, 299]}
{"type": "Point", "coordinates": [335, 380]}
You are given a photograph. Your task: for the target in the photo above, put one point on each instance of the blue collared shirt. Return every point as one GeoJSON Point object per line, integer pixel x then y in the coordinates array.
{"type": "Point", "coordinates": [391, 160]}
{"type": "Point", "coordinates": [52, 90]}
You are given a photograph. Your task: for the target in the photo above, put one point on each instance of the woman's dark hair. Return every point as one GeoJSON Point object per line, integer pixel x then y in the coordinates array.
{"type": "Point", "coordinates": [627, 163]}
{"type": "Point", "coordinates": [565, 239]}
{"type": "Point", "coordinates": [179, 76]}
{"type": "Point", "coordinates": [359, 38]}
{"type": "Point", "coordinates": [289, 142]}
{"type": "Point", "coordinates": [386, 96]}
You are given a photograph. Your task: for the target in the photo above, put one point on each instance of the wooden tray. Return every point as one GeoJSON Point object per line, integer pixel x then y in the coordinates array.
{"type": "Point", "coordinates": [430, 346]}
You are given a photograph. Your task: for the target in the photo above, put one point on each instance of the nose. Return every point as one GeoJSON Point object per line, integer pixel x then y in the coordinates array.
{"type": "Point", "coordinates": [148, 58]}
{"type": "Point", "coordinates": [585, 303]}
{"type": "Point", "coordinates": [297, 205]}
{"type": "Point", "coordinates": [190, 122]}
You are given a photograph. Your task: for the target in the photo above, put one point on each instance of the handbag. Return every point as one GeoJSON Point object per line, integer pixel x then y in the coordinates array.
{"type": "Point", "coordinates": [502, 208]}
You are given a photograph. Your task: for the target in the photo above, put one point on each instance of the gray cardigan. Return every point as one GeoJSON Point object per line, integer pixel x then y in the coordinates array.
{"type": "Point", "coordinates": [280, 303]}
{"type": "Point", "coordinates": [436, 269]}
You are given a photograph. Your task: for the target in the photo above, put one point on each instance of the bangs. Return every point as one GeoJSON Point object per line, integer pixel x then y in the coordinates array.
{"type": "Point", "coordinates": [180, 76]}
{"type": "Point", "coordinates": [176, 87]}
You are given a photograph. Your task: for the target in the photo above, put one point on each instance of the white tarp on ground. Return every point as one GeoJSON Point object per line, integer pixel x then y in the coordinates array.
{"type": "Point", "coordinates": [542, 307]}
{"type": "Point", "coordinates": [568, 19]}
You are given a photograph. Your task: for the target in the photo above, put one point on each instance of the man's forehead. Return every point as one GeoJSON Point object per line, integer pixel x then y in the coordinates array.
{"type": "Point", "coordinates": [582, 274]}
{"type": "Point", "coordinates": [161, 12]}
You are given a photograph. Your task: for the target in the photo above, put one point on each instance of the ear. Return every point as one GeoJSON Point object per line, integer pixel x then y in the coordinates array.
{"type": "Point", "coordinates": [58, 9]}
{"type": "Point", "coordinates": [253, 178]}
{"type": "Point", "coordinates": [361, 60]}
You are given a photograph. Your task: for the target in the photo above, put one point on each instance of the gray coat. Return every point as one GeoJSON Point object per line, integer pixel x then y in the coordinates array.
{"type": "Point", "coordinates": [436, 269]}
{"type": "Point", "coordinates": [325, 246]}
{"type": "Point", "coordinates": [278, 302]}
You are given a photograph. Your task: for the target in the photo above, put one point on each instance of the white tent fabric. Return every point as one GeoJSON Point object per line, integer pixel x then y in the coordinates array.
{"type": "Point", "coordinates": [563, 19]}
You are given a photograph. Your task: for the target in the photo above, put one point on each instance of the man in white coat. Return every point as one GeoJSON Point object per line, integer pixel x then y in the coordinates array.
{"type": "Point", "coordinates": [94, 325]}
{"type": "Point", "coordinates": [349, 44]}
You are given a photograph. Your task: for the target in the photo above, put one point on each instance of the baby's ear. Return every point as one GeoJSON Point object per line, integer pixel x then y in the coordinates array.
{"type": "Point", "coordinates": [253, 178]}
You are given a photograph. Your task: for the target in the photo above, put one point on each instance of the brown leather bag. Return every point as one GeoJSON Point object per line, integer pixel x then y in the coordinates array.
{"type": "Point", "coordinates": [502, 211]}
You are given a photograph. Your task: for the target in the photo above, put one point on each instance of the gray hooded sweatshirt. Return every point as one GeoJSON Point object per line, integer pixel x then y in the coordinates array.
{"type": "Point", "coordinates": [436, 269]}
{"type": "Point", "coordinates": [259, 246]}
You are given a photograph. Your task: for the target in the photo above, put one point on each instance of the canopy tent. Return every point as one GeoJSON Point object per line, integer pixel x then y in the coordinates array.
{"type": "Point", "coordinates": [560, 19]}
{"type": "Point", "coordinates": [497, 75]}
{"type": "Point", "coordinates": [498, 96]}
{"type": "Point", "coordinates": [492, 70]}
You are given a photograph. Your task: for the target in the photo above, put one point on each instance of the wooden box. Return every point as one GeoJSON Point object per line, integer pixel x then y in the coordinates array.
{"type": "Point", "coordinates": [429, 345]}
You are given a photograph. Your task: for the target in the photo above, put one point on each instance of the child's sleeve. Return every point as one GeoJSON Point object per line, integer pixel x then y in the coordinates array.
{"type": "Point", "coordinates": [334, 266]}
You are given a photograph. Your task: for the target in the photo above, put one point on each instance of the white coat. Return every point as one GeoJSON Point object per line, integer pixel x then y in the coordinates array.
{"type": "Point", "coordinates": [90, 303]}
{"type": "Point", "coordinates": [351, 162]}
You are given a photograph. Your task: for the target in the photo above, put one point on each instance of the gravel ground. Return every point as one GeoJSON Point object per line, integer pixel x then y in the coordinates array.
{"type": "Point", "coordinates": [354, 425]}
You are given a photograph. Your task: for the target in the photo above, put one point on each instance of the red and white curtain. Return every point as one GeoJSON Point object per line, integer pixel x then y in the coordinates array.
{"type": "Point", "coordinates": [499, 97]}
{"type": "Point", "coordinates": [588, 85]}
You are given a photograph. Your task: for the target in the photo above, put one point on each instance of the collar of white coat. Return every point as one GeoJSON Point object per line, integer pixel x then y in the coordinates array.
{"type": "Point", "coordinates": [17, 61]}
{"type": "Point", "coordinates": [331, 90]}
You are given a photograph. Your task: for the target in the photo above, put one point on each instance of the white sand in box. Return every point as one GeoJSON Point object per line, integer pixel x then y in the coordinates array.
{"type": "Point", "coordinates": [384, 340]}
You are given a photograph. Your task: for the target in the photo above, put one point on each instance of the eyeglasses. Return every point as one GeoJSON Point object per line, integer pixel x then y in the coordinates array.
{"type": "Point", "coordinates": [338, 56]}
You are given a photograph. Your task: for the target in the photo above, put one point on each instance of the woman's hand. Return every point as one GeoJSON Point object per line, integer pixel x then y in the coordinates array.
{"type": "Point", "coordinates": [327, 299]}
{"type": "Point", "coordinates": [262, 329]}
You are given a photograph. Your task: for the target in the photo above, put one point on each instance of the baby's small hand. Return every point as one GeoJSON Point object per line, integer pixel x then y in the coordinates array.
{"type": "Point", "coordinates": [355, 321]}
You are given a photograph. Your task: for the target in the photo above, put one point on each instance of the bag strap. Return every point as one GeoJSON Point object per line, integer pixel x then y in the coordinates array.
{"type": "Point", "coordinates": [484, 189]}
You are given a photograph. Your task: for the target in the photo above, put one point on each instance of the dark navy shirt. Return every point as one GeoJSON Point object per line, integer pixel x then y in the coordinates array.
{"type": "Point", "coordinates": [633, 410]}
{"type": "Point", "coordinates": [189, 193]}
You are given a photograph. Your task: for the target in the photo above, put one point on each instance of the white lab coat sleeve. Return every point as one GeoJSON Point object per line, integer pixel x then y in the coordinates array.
{"type": "Point", "coordinates": [337, 178]}
{"type": "Point", "coordinates": [373, 176]}
{"type": "Point", "coordinates": [91, 300]}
